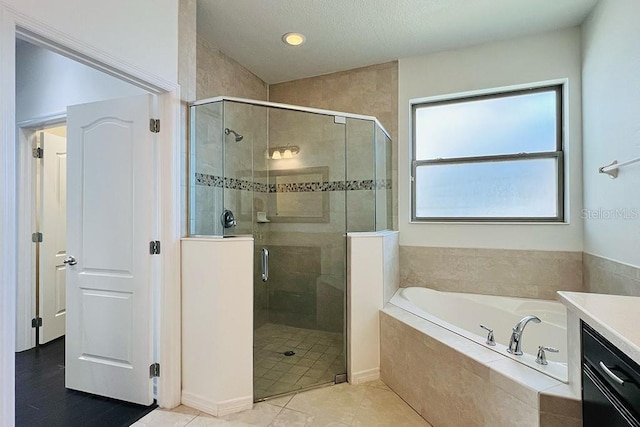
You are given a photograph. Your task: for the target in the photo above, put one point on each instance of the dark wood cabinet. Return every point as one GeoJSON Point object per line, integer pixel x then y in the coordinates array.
{"type": "Point", "coordinates": [610, 383]}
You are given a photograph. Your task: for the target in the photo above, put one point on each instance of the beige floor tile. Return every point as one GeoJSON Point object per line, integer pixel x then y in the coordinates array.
{"type": "Point", "coordinates": [313, 355]}
{"type": "Point", "coordinates": [280, 401]}
{"type": "Point", "coordinates": [381, 407]}
{"type": "Point", "coordinates": [273, 375]}
{"type": "Point", "coordinates": [369, 404]}
{"type": "Point", "coordinates": [305, 362]}
{"type": "Point", "coordinates": [289, 418]}
{"type": "Point", "coordinates": [282, 367]}
{"type": "Point", "coordinates": [305, 381]}
{"type": "Point", "coordinates": [263, 383]}
{"type": "Point", "coordinates": [316, 371]}
{"type": "Point", "coordinates": [325, 420]}
{"type": "Point", "coordinates": [280, 387]}
{"type": "Point", "coordinates": [290, 378]}
{"type": "Point", "coordinates": [177, 417]}
{"type": "Point", "coordinates": [339, 401]}
{"type": "Point", "coordinates": [377, 384]}
{"type": "Point", "coordinates": [261, 415]}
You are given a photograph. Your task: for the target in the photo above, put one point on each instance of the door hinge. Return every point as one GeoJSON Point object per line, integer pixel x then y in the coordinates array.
{"type": "Point", "coordinates": [154, 247]}
{"type": "Point", "coordinates": [340, 378]}
{"type": "Point", "coordinates": [154, 370]}
{"type": "Point", "coordinates": [154, 125]}
{"type": "Point", "coordinates": [38, 153]}
{"type": "Point", "coordinates": [36, 323]}
{"type": "Point", "coordinates": [36, 237]}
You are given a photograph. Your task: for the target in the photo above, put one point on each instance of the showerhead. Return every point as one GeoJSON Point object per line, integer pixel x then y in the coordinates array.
{"type": "Point", "coordinates": [238, 137]}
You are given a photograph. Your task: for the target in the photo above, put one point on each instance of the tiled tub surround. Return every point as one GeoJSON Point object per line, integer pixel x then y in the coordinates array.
{"type": "Point", "coordinates": [604, 276]}
{"type": "Point", "coordinates": [464, 313]}
{"type": "Point", "coordinates": [452, 381]}
{"type": "Point", "coordinates": [517, 273]}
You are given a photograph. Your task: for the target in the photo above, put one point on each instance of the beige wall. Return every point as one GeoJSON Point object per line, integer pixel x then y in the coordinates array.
{"type": "Point", "coordinates": [604, 276]}
{"type": "Point", "coordinates": [527, 274]}
{"type": "Point", "coordinates": [373, 91]}
{"type": "Point", "coordinates": [218, 75]}
{"type": "Point", "coordinates": [611, 93]}
{"type": "Point", "coordinates": [187, 81]}
{"type": "Point", "coordinates": [369, 90]}
{"type": "Point", "coordinates": [552, 56]}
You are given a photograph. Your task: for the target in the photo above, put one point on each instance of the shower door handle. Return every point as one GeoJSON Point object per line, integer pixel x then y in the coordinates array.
{"type": "Point", "coordinates": [265, 264]}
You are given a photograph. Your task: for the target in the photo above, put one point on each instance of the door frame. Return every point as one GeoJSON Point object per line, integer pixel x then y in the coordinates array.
{"type": "Point", "coordinates": [167, 290]}
{"type": "Point", "coordinates": [26, 288]}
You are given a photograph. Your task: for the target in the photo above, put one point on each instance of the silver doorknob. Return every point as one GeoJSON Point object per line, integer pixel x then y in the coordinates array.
{"type": "Point", "coordinates": [70, 260]}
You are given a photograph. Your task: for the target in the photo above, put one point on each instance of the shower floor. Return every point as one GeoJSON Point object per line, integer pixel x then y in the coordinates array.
{"type": "Point", "coordinates": [318, 357]}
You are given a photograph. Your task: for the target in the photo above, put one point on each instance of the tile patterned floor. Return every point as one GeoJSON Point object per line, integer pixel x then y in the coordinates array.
{"type": "Point", "coordinates": [369, 405]}
{"type": "Point", "coordinates": [319, 356]}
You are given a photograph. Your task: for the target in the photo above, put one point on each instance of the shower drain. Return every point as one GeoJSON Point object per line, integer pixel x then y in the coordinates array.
{"type": "Point", "coordinates": [289, 353]}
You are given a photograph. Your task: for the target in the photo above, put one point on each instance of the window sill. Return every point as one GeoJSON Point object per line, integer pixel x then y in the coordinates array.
{"type": "Point", "coordinates": [492, 222]}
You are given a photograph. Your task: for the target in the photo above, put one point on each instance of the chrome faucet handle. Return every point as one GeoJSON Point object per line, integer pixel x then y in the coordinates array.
{"type": "Point", "coordinates": [542, 357]}
{"type": "Point", "coordinates": [490, 339]}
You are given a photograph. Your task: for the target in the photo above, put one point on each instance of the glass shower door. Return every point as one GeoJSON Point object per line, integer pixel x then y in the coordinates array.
{"type": "Point", "coordinates": [299, 225]}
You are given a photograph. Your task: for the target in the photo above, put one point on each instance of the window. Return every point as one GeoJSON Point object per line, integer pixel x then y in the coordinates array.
{"type": "Point", "coordinates": [493, 157]}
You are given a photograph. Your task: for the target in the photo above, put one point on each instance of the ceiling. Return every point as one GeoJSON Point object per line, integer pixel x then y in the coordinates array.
{"type": "Point", "coordinates": [346, 34]}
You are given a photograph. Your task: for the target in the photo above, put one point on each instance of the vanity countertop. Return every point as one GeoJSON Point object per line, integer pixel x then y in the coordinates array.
{"type": "Point", "coordinates": [615, 317]}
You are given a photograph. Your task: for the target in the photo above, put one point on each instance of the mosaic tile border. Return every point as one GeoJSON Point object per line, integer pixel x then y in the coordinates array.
{"type": "Point", "coordinates": [302, 187]}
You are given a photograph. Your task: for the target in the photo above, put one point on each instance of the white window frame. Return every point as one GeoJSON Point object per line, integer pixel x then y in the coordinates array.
{"type": "Point", "coordinates": [558, 154]}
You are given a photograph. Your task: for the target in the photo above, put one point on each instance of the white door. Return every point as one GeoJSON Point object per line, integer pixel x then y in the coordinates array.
{"type": "Point", "coordinates": [111, 218]}
{"type": "Point", "coordinates": [53, 225]}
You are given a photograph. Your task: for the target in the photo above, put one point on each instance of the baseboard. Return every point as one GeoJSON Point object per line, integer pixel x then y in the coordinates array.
{"type": "Point", "coordinates": [200, 403]}
{"type": "Point", "coordinates": [365, 376]}
{"type": "Point", "coordinates": [217, 409]}
{"type": "Point", "coordinates": [235, 405]}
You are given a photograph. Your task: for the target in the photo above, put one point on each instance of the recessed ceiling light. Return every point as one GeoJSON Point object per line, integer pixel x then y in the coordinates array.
{"type": "Point", "coordinates": [293, 39]}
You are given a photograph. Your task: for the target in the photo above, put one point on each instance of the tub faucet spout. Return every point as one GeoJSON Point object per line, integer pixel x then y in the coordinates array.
{"type": "Point", "coordinates": [515, 343]}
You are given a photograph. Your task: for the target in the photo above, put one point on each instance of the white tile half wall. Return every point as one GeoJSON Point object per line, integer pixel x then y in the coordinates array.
{"type": "Point", "coordinates": [373, 278]}
{"type": "Point", "coordinates": [217, 324]}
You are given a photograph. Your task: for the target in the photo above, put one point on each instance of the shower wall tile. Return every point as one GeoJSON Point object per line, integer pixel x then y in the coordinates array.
{"type": "Point", "coordinates": [299, 294]}
{"type": "Point", "coordinates": [384, 180]}
{"type": "Point", "coordinates": [219, 75]}
{"type": "Point", "coordinates": [251, 122]}
{"type": "Point", "coordinates": [360, 149]}
{"type": "Point", "coordinates": [360, 215]}
{"type": "Point", "coordinates": [519, 273]}
{"type": "Point", "coordinates": [206, 150]}
{"type": "Point", "coordinates": [205, 221]}
{"type": "Point", "coordinates": [332, 247]}
{"type": "Point", "coordinates": [369, 90]}
{"type": "Point", "coordinates": [605, 276]}
{"type": "Point", "coordinates": [321, 141]}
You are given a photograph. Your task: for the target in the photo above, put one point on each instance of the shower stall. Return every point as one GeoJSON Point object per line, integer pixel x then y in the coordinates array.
{"type": "Point", "coordinates": [297, 180]}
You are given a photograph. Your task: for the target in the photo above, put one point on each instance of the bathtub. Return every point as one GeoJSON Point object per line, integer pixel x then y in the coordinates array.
{"type": "Point", "coordinates": [463, 313]}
